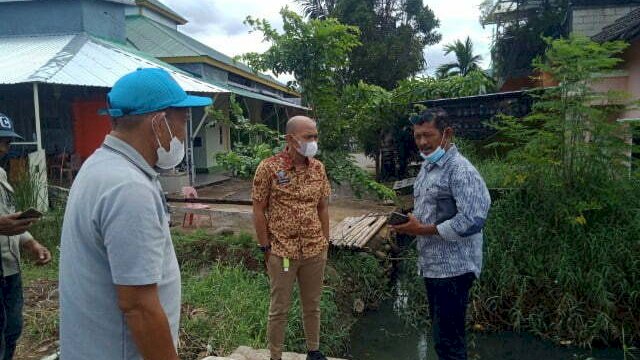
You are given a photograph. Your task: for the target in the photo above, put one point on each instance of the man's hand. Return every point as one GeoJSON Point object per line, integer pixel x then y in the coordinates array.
{"type": "Point", "coordinates": [415, 227]}
{"type": "Point", "coordinates": [37, 251]}
{"type": "Point", "coordinates": [10, 225]}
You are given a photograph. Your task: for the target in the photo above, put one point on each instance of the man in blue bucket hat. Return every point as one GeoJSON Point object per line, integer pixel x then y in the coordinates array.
{"type": "Point", "coordinates": [119, 277]}
{"type": "Point", "coordinates": [14, 237]}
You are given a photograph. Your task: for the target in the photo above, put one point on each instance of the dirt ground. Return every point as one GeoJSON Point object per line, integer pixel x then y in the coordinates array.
{"type": "Point", "coordinates": [40, 316]}
{"type": "Point", "coordinates": [240, 190]}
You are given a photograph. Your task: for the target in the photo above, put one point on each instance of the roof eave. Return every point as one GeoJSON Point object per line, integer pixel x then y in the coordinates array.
{"type": "Point", "coordinates": [171, 15]}
{"type": "Point", "coordinates": [210, 61]}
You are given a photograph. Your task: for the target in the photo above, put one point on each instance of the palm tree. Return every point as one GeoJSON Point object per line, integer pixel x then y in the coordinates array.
{"type": "Point", "coordinates": [317, 9]}
{"type": "Point", "coordinates": [465, 60]}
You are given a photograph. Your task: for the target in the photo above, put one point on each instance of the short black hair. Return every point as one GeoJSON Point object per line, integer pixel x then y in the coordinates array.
{"type": "Point", "coordinates": [437, 115]}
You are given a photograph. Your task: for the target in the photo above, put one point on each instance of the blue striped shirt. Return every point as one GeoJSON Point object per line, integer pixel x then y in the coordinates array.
{"type": "Point", "coordinates": [452, 195]}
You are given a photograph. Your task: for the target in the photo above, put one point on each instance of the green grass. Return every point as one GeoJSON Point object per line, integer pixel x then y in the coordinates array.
{"type": "Point", "coordinates": [41, 296]}
{"type": "Point", "coordinates": [47, 231]}
{"type": "Point", "coordinates": [226, 302]}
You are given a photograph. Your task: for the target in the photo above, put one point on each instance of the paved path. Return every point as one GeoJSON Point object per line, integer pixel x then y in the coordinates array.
{"type": "Point", "coordinates": [247, 353]}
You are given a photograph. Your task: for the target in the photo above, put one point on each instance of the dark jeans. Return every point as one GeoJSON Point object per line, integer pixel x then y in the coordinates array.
{"type": "Point", "coordinates": [11, 302]}
{"type": "Point", "coordinates": [448, 299]}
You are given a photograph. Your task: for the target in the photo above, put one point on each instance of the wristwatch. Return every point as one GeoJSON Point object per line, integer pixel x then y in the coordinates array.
{"type": "Point", "coordinates": [265, 249]}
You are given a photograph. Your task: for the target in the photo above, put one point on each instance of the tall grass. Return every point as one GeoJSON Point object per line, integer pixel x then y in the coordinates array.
{"type": "Point", "coordinates": [554, 271]}
{"type": "Point", "coordinates": [29, 189]}
{"type": "Point", "coordinates": [40, 283]}
{"type": "Point", "coordinates": [562, 272]}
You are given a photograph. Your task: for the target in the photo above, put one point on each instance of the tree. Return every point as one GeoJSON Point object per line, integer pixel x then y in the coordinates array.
{"type": "Point", "coordinates": [394, 35]}
{"type": "Point", "coordinates": [519, 38]}
{"type": "Point", "coordinates": [465, 62]}
{"type": "Point", "coordinates": [373, 112]}
{"type": "Point", "coordinates": [572, 191]}
{"type": "Point", "coordinates": [313, 51]}
{"type": "Point", "coordinates": [317, 9]}
{"type": "Point", "coordinates": [570, 135]}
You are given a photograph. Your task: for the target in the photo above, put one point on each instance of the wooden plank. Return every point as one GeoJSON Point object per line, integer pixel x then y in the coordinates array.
{"type": "Point", "coordinates": [210, 201]}
{"type": "Point", "coordinates": [356, 226]}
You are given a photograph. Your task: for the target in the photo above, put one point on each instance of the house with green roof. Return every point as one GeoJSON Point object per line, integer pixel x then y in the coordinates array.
{"type": "Point", "coordinates": [153, 28]}
{"type": "Point", "coordinates": [59, 58]}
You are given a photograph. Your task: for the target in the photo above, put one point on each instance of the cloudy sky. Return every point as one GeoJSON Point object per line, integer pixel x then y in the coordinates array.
{"type": "Point", "coordinates": [219, 24]}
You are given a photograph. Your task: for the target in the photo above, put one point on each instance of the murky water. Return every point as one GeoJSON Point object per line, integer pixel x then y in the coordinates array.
{"type": "Point", "coordinates": [382, 335]}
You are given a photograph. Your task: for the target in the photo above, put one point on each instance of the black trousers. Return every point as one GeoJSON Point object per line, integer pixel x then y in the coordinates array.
{"type": "Point", "coordinates": [11, 302]}
{"type": "Point", "coordinates": [448, 299]}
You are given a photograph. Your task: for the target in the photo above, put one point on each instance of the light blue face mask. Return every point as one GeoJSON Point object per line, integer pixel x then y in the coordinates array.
{"type": "Point", "coordinates": [435, 155]}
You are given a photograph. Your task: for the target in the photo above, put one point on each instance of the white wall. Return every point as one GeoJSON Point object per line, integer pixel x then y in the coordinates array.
{"type": "Point", "coordinates": [215, 143]}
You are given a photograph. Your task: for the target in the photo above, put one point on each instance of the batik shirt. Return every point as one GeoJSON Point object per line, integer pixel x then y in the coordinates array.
{"type": "Point", "coordinates": [451, 194]}
{"type": "Point", "coordinates": [293, 222]}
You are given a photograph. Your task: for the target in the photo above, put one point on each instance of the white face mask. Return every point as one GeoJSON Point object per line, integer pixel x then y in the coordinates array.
{"type": "Point", "coordinates": [175, 155]}
{"type": "Point", "coordinates": [308, 149]}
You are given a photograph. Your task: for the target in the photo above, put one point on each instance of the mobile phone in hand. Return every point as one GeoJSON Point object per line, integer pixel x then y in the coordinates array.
{"type": "Point", "coordinates": [396, 218]}
{"type": "Point", "coordinates": [29, 214]}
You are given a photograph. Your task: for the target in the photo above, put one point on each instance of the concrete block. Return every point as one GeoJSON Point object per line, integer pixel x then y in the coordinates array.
{"type": "Point", "coordinates": [248, 353]}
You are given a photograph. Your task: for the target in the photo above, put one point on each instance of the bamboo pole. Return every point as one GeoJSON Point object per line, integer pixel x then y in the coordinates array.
{"type": "Point", "coordinates": [339, 230]}
{"type": "Point", "coordinates": [372, 232]}
{"type": "Point", "coordinates": [364, 224]}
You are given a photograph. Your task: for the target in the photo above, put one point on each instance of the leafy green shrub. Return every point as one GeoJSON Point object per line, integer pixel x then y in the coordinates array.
{"type": "Point", "coordinates": [562, 250]}
{"type": "Point", "coordinates": [244, 159]}
{"type": "Point", "coordinates": [342, 169]}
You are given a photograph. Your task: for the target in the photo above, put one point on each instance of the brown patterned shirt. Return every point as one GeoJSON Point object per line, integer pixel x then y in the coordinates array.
{"type": "Point", "coordinates": [293, 222]}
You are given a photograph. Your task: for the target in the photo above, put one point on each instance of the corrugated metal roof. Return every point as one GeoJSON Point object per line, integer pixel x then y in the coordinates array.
{"type": "Point", "coordinates": [126, 2]}
{"type": "Point", "coordinates": [163, 42]}
{"type": "Point", "coordinates": [80, 60]}
{"type": "Point", "coordinates": [21, 57]}
{"type": "Point", "coordinates": [253, 95]}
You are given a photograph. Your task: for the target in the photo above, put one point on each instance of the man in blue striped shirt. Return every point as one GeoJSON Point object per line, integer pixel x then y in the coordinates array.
{"type": "Point", "coordinates": [451, 202]}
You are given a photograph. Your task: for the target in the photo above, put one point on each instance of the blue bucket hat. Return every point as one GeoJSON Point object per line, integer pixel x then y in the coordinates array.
{"type": "Point", "coordinates": [6, 128]}
{"type": "Point", "coordinates": [148, 90]}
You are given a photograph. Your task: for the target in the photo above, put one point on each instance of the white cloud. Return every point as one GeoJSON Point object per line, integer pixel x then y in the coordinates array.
{"type": "Point", "coordinates": [458, 19]}
{"type": "Point", "coordinates": [219, 24]}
